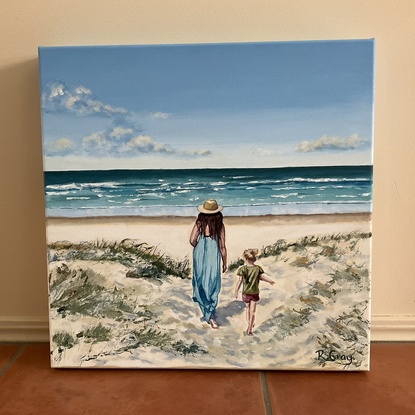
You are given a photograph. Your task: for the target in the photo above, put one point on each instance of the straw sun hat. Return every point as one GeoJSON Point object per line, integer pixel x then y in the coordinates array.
{"type": "Point", "coordinates": [210, 207]}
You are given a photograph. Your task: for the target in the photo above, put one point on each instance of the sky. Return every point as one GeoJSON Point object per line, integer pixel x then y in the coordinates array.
{"type": "Point", "coordinates": [273, 104]}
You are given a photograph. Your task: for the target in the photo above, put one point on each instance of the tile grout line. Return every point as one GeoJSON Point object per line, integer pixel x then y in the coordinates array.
{"type": "Point", "coordinates": [18, 352]}
{"type": "Point", "coordinates": [265, 393]}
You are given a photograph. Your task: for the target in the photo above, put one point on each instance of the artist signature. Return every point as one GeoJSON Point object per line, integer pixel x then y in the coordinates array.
{"type": "Point", "coordinates": [334, 356]}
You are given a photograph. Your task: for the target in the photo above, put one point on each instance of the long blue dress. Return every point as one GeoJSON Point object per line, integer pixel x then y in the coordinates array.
{"type": "Point", "coordinates": [206, 275]}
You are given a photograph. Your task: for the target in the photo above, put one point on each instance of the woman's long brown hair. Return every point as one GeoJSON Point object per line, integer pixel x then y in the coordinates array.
{"type": "Point", "coordinates": [213, 221]}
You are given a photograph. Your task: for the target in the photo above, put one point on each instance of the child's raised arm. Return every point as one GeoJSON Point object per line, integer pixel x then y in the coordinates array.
{"type": "Point", "coordinates": [262, 277]}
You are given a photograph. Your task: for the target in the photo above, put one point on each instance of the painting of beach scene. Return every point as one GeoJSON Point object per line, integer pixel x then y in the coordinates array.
{"type": "Point", "coordinates": [208, 206]}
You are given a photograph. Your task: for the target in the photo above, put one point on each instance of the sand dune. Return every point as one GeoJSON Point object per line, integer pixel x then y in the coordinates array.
{"type": "Point", "coordinates": [171, 234]}
{"type": "Point", "coordinates": [315, 316]}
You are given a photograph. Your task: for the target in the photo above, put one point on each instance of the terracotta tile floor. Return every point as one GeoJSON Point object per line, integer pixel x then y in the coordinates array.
{"type": "Point", "coordinates": [29, 386]}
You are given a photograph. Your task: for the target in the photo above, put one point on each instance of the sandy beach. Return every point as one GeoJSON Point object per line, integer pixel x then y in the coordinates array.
{"type": "Point", "coordinates": [113, 305]}
{"type": "Point", "coordinates": [171, 234]}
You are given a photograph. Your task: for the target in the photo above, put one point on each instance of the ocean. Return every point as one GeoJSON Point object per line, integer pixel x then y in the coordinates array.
{"type": "Point", "coordinates": [242, 192]}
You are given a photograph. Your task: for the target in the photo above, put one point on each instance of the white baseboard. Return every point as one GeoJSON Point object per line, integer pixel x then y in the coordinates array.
{"type": "Point", "coordinates": [390, 327]}
{"type": "Point", "coordinates": [20, 329]}
{"type": "Point", "coordinates": [393, 327]}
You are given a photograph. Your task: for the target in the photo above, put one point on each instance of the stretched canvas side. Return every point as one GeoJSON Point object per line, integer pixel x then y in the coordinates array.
{"type": "Point", "coordinates": [209, 206]}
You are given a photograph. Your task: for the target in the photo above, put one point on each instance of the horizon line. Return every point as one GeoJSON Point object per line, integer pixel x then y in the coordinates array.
{"type": "Point", "coordinates": [212, 168]}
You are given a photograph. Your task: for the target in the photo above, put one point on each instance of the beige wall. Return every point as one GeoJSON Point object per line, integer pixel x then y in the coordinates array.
{"type": "Point", "coordinates": [25, 25]}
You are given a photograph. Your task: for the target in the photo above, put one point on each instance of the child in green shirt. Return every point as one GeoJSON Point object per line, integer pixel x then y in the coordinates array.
{"type": "Point", "coordinates": [249, 276]}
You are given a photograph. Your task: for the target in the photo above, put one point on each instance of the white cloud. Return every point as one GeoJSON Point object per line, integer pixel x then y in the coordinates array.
{"type": "Point", "coordinates": [196, 153]}
{"type": "Point", "coordinates": [119, 132]}
{"type": "Point", "coordinates": [146, 144]}
{"type": "Point", "coordinates": [160, 115]}
{"type": "Point", "coordinates": [330, 143]}
{"type": "Point", "coordinates": [80, 100]}
{"type": "Point", "coordinates": [125, 142]}
{"type": "Point", "coordinates": [98, 143]}
{"type": "Point", "coordinates": [60, 146]}
{"type": "Point", "coordinates": [262, 152]}
{"type": "Point", "coordinates": [122, 140]}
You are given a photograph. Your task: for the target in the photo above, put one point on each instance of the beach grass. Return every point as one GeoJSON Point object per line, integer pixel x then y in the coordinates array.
{"type": "Point", "coordinates": [77, 291]}
{"type": "Point", "coordinates": [347, 331]}
{"type": "Point", "coordinates": [107, 319]}
{"type": "Point", "coordinates": [145, 261]}
{"type": "Point", "coordinates": [74, 291]}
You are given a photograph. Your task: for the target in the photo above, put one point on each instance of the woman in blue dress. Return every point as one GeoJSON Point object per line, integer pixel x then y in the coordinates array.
{"type": "Point", "coordinates": [209, 258]}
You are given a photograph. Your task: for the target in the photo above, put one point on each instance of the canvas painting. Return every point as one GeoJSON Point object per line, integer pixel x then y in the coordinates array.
{"type": "Point", "coordinates": [209, 205]}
